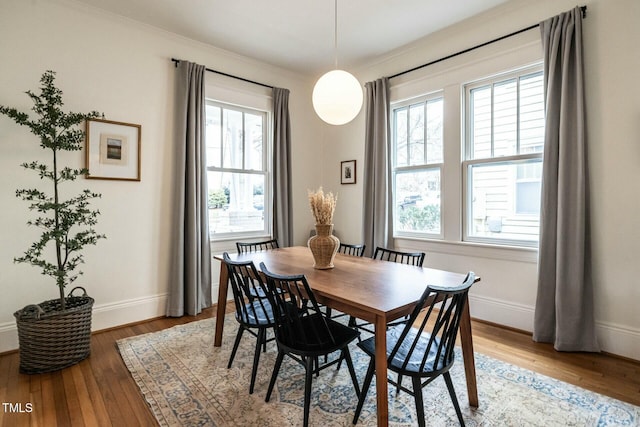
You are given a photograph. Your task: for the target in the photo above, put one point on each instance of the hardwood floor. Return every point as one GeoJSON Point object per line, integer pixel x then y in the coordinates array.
{"type": "Point", "coordinates": [99, 391]}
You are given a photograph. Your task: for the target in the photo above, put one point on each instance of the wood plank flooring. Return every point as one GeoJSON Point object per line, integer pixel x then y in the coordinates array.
{"type": "Point", "coordinates": [99, 391]}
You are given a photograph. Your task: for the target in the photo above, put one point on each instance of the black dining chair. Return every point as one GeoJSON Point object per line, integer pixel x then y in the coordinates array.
{"type": "Point", "coordinates": [253, 309]}
{"type": "Point", "coordinates": [304, 333]}
{"type": "Point", "coordinates": [411, 258]}
{"type": "Point", "coordinates": [384, 254]}
{"type": "Point", "coordinates": [423, 349]}
{"type": "Point", "coordinates": [245, 247]}
{"type": "Point", "coordinates": [353, 250]}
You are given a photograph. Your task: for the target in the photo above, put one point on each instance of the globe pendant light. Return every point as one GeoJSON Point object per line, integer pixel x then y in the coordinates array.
{"type": "Point", "coordinates": [337, 95]}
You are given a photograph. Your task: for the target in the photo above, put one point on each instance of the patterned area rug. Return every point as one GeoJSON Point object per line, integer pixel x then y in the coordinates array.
{"type": "Point", "coordinates": [185, 380]}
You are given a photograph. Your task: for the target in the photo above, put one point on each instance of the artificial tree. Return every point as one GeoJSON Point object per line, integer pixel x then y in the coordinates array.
{"type": "Point", "coordinates": [67, 224]}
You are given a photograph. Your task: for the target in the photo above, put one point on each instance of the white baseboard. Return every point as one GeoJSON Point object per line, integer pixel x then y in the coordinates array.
{"type": "Point", "coordinates": [104, 316]}
{"type": "Point", "coordinates": [613, 339]}
{"type": "Point", "coordinates": [129, 311]}
{"type": "Point", "coordinates": [501, 312]}
{"type": "Point", "coordinates": [620, 340]}
{"type": "Point", "coordinates": [8, 337]}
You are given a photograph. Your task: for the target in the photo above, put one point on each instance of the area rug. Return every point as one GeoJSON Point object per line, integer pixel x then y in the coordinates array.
{"type": "Point", "coordinates": [185, 381]}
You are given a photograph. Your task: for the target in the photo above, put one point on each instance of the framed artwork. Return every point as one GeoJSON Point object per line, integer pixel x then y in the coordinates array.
{"type": "Point", "coordinates": [113, 150]}
{"type": "Point", "coordinates": [348, 172]}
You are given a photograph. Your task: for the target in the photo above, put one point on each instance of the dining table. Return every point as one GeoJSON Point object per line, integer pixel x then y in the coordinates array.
{"type": "Point", "coordinates": [373, 290]}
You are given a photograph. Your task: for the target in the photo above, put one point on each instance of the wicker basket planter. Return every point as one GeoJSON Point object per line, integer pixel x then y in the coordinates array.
{"type": "Point", "coordinates": [51, 339]}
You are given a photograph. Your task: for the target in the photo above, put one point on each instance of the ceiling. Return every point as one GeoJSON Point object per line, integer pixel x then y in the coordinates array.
{"type": "Point", "coordinates": [299, 34]}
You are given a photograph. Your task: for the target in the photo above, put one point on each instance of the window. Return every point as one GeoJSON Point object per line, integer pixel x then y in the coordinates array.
{"type": "Point", "coordinates": [417, 166]}
{"type": "Point", "coordinates": [503, 157]}
{"type": "Point", "coordinates": [237, 172]}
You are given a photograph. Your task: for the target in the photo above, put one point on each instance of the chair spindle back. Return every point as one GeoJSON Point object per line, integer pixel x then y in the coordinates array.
{"type": "Point", "coordinates": [249, 291]}
{"type": "Point", "coordinates": [411, 258]}
{"type": "Point", "coordinates": [444, 308]}
{"type": "Point", "coordinates": [245, 247]}
{"type": "Point", "coordinates": [292, 299]}
{"type": "Point", "coordinates": [353, 250]}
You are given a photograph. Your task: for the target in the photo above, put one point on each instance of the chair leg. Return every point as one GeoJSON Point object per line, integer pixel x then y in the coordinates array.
{"type": "Point", "coordinates": [454, 398]}
{"type": "Point", "coordinates": [340, 362]}
{"type": "Point", "coordinates": [328, 316]}
{"type": "Point", "coordinates": [256, 357]}
{"type": "Point", "coordinates": [307, 388]}
{"type": "Point", "coordinates": [399, 384]}
{"type": "Point", "coordinates": [365, 388]}
{"type": "Point", "coordinates": [316, 366]}
{"type": "Point", "coordinates": [274, 375]}
{"type": "Point", "coordinates": [353, 323]}
{"type": "Point", "coordinates": [347, 356]}
{"type": "Point", "coordinates": [235, 345]}
{"type": "Point", "coordinates": [417, 394]}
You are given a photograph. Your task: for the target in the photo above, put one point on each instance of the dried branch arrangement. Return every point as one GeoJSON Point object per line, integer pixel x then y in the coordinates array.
{"type": "Point", "coordinates": [322, 206]}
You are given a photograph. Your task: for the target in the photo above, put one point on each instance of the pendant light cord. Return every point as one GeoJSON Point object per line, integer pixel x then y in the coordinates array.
{"type": "Point", "coordinates": [335, 34]}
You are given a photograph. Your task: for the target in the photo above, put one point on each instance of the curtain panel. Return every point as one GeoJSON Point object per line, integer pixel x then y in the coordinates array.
{"type": "Point", "coordinates": [190, 270]}
{"type": "Point", "coordinates": [377, 226]}
{"type": "Point", "coordinates": [564, 313]}
{"type": "Point", "coordinates": [282, 209]}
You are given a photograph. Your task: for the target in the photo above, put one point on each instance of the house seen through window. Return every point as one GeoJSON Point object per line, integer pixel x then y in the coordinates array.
{"type": "Point", "coordinates": [503, 157]}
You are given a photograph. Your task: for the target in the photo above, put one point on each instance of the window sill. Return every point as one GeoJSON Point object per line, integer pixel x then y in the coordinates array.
{"type": "Point", "coordinates": [471, 249]}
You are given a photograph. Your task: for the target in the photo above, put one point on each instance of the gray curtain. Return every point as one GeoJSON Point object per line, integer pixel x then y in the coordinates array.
{"type": "Point", "coordinates": [282, 210]}
{"type": "Point", "coordinates": [564, 306]}
{"type": "Point", "coordinates": [190, 273]}
{"type": "Point", "coordinates": [377, 226]}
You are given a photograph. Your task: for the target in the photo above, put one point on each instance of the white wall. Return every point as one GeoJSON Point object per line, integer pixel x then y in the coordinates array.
{"type": "Point", "coordinates": [123, 69]}
{"type": "Point", "coordinates": [507, 292]}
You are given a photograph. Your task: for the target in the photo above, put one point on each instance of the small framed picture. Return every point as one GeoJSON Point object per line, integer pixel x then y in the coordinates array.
{"type": "Point", "coordinates": [113, 150]}
{"type": "Point", "coordinates": [348, 172]}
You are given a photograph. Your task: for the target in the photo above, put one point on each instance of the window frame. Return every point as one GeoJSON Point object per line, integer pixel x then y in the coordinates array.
{"type": "Point", "coordinates": [410, 168]}
{"type": "Point", "coordinates": [267, 155]}
{"type": "Point", "coordinates": [516, 159]}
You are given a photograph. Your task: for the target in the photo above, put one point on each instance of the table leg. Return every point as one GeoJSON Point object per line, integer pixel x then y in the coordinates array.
{"type": "Point", "coordinates": [222, 303]}
{"type": "Point", "coordinates": [381, 371]}
{"type": "Point", "coordinates": [467, 355]}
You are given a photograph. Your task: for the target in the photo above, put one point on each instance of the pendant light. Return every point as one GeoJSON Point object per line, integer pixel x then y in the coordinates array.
{"type": "Point", "coordinates": [337, 95]}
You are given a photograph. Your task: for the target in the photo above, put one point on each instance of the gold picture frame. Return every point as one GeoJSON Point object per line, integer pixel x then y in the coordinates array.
{"type": "Point", "coordinates": [113, 150]}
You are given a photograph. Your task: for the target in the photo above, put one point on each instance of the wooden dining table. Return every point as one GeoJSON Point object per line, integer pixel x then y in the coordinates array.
{"type": "Point", "coordinates": [373, 290]}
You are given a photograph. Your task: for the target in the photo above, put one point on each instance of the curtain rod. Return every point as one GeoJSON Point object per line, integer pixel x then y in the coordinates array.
{"type": "Point", "coordinates": [177, 61]}
{"type": "Point", "coordinates": [584, 14]}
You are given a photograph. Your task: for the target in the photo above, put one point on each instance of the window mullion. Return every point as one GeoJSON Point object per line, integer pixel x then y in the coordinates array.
{"type": "Point", "coordinates": [424, 133]}
{"type": "Point", "coordinates": [409, 135]}
{"type": "Point", "coordinates": [518, 115]}
{"type": "Point", "coordinates": [493, 119]}
{"type": "Point", "coordinates": [222, 124]}
{"type": "Point", "coordinates": [244, 142]}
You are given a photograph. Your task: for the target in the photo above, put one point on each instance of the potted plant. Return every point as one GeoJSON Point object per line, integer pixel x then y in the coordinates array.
{"type": "Point", "coordinates": [56, 333]}
{"type": "Point", "coordinates": [323, 245]}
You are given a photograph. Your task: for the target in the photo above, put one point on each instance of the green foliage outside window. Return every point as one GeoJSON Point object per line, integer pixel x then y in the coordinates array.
{"type": "Point", "coordinates": [217, 199]}
{"type": "Point", "coordinates": [425, 218]}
